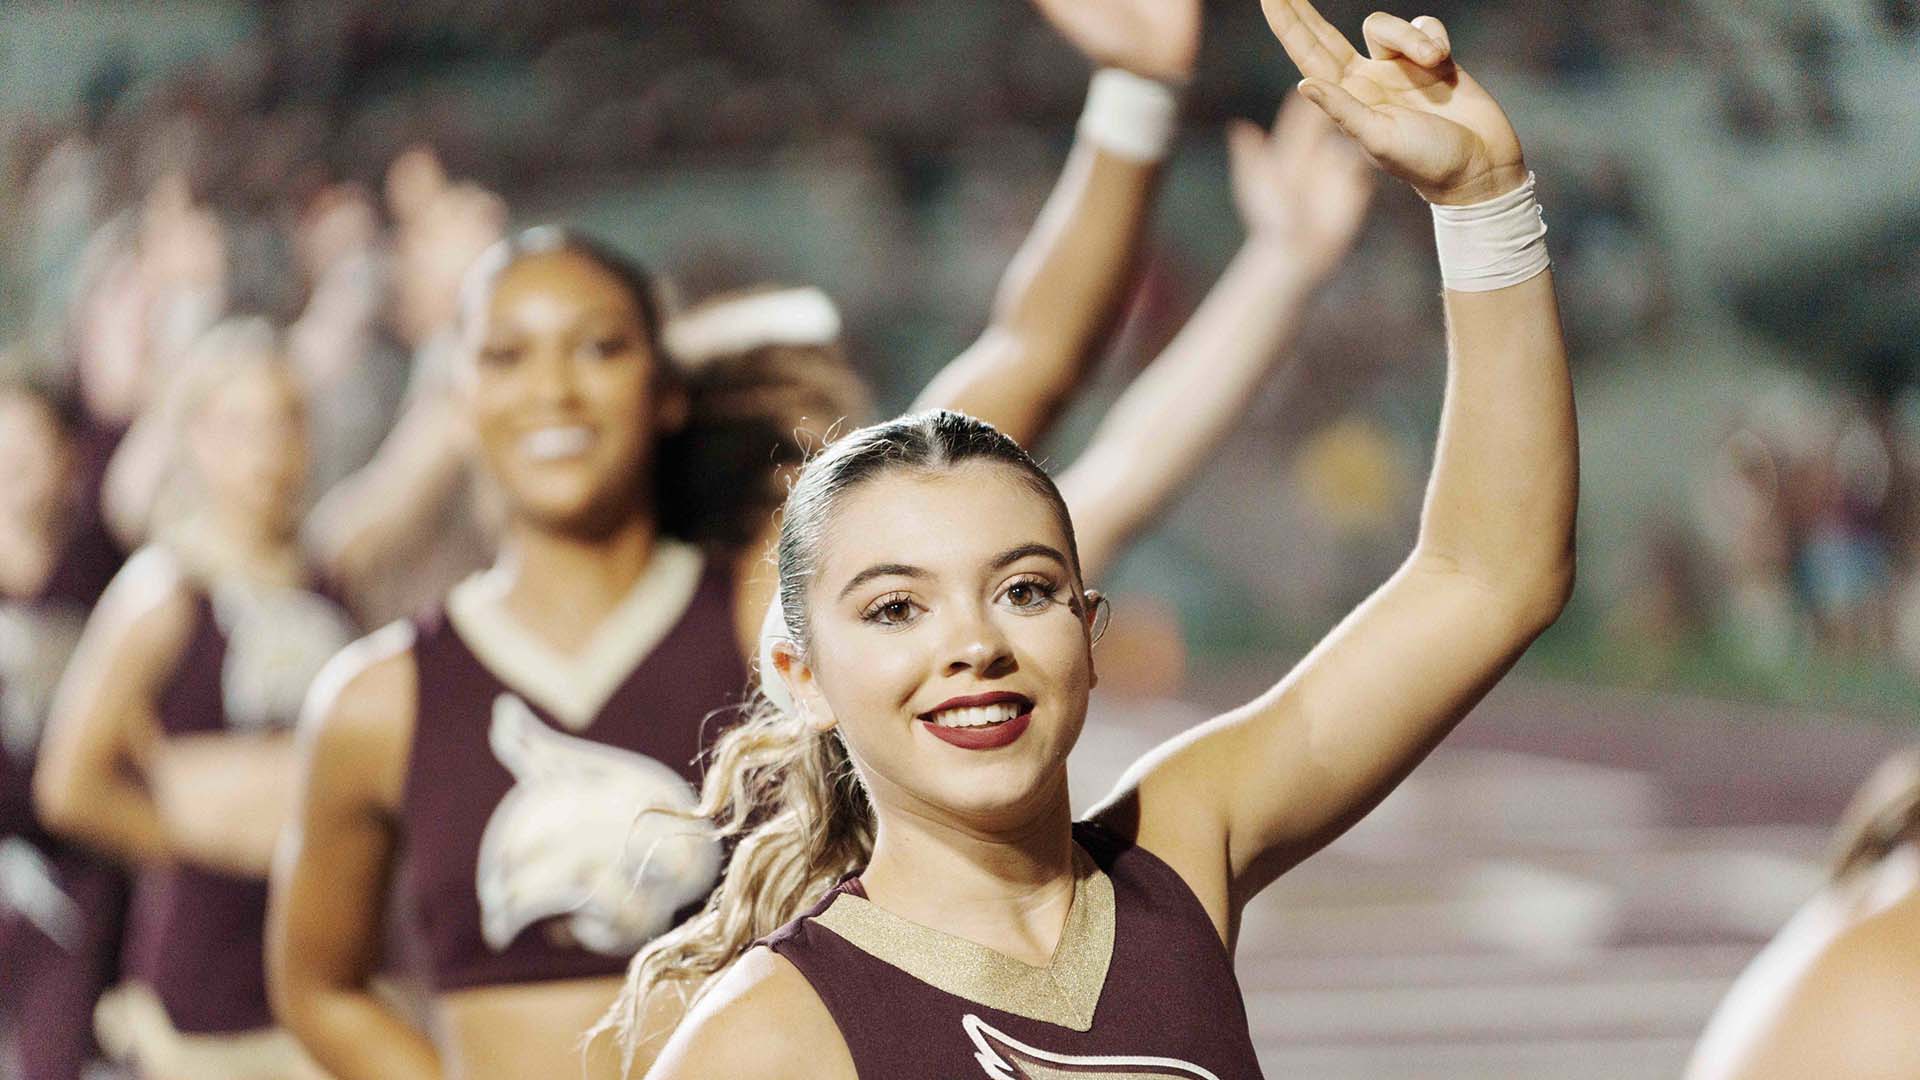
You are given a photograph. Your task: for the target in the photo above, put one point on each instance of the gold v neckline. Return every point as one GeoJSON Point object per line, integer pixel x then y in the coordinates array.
{"type": "Point", "coordinates": [574, 687]}
{"type": "Point", "coordinates": [1066, 992]}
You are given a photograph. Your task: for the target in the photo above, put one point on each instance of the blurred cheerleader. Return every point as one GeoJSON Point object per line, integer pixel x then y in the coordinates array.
{"type": "Point", "coordinates": [170, 743]}
{"type": "Point", "coordinates": [60, 906]}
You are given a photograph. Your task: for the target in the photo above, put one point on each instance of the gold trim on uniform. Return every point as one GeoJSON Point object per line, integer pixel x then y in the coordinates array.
{"type": "Point", "coordinates": [1065, 993]}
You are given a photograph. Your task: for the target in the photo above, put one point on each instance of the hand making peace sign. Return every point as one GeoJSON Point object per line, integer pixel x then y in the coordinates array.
{"type": "Point", "coordinates": [1412, 109]}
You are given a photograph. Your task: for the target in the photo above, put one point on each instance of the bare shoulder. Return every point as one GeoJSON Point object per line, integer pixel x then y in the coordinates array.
{"type": "Point", "coordinates": [761, 1019]}
{"type": "Point", "coordinates": [150, 597]}
{"type": "Point", "coordinates": [357, 727]}
{"type": "Point", "coordinates": [1875, 965]}
{"type": "Point", "coordinates": [1851, 1013]}
{"type": "Point", "coordinates": [1154, 805]}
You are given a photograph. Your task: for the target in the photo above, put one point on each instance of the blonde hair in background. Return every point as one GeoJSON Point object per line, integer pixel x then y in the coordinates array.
{"type": "Point", "coordinates": [1884, 814]}
{"type": "Point", "coordinates": [226, 349]}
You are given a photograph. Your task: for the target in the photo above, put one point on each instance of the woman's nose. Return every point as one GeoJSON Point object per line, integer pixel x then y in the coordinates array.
{"type": "Point", "coordinates": [979, 646]}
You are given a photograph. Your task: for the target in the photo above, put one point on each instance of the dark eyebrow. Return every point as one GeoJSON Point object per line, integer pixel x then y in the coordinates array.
{"type": "Point", "coordinates": [1013, 555]}
{"type": "Point", "coordinates": [1000, 562]}
{"type": "Point", "coordinates": [882, 570]}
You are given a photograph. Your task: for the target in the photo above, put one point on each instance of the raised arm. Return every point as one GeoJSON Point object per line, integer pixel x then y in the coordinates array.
{"type": "Point", "coordinates": [1275, 780]}
{"type": "Point", "coordinates": [386, 511]}
{"type": "Point", "coordinates": [1067, 285]}
{"type": "Point", "coordinates": [1302, 195]}
{"type": "Point", "coordinates": [330, 877]}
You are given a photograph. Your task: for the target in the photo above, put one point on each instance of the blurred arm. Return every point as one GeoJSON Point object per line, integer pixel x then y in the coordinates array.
{"type": "Point", "coordinates": [331, 872]}
{"type": "Point", "coordinates": [388, 509]}
{"type": "Point", "coordinates": [136, 475]}
{"type": "Point", "coordinates": [1302, 195]}
{"type": "Point", "coordinates": [1174, 415]}
{"type": "Point", "coordinates": [110, 778]}
{"type": "Point", "coordinates": [1068, 284]}
{"type": "Point", "coordinates": [102, 726]}
{"type": "Point", "coordinates": [1060, 299]}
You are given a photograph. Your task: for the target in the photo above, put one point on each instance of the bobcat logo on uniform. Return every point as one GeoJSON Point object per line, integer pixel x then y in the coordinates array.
{"type": "Point", "coordinates": [278, 639]}
{"type": "Point", "coordinates": [571, 839]}
{"type": "Point", "coordinates": [1006, 1058]}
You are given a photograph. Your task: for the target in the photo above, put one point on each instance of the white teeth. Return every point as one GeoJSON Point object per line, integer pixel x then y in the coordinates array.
{"type": "Point", "coordinates": [978, 715]}
{"type": "Point", "coordinates": [554, 443]}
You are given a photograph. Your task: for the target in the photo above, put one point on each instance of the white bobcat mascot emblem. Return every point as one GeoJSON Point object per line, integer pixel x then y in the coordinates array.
{"type": "Point", "coordinates": [1006, 1058]}
{"type": "Point", "coordinates": [571, 839]}
{"type": "Point", "coordinates": [278, 639]}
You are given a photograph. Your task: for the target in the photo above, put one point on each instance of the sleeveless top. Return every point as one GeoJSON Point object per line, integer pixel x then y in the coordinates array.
{"type": "Point", "coordinates": [196, 935]}
{"type": "Point", "coordinates": [37, 635]}
{"type": "Point", "coordinates": [528, 855]}
{"type": "Point", "coordinates": [1140, 986]}
{"type": "Point", "coordinates": [59, 904]}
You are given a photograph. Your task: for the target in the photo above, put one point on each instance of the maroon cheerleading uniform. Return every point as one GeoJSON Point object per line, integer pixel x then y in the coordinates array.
{"type": "Point", "coordinates": [196, 935]}
{"type": "Point", "coordinates": [60, 934]}
{"type": "Point", "coordinates": [1140, 986]}
{"type": "Point", "coordinates": [526, 855]}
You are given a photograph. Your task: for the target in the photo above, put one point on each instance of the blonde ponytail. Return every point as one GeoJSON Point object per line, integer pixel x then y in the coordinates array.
{"type": "Point", "coordinates": [788, 797]}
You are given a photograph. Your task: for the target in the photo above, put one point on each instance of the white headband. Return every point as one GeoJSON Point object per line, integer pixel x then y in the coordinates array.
{"type": "Point", "coordinates": [773, 628]}
{"type": "Point", "coordinates": [803, 316]}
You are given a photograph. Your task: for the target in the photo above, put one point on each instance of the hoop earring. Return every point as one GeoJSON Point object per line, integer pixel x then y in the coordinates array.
{"type": "Point", "coordinates": [1102, 616]}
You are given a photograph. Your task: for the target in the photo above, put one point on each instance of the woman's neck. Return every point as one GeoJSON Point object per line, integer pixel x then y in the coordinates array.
{"type": "Point", "coordinates": [217, 546]}
{"type": "Point", "coordinates": [561, 587]}
{"type": "Point", "coordinates": [1007, 889]}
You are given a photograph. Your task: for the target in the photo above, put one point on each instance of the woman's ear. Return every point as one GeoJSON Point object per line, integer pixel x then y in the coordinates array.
{"type": "Point", "coordinates": [791, 668]}
{"type": "Point", "coordinates": [675, 409]}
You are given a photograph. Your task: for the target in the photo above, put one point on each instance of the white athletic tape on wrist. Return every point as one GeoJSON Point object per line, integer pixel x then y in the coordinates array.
{"type": "Point", "coordinates": [803, 316]}
{"type": "Point", "coordinates": [1493, 244]}
{"type": "Point", "coordinates": [1130, 116]}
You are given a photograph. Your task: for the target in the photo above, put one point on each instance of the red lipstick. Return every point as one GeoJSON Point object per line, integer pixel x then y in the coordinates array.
{"type": "Point", "coordinates": [985, 736]}
{"type": "Point", "coordinates": [975, 700]}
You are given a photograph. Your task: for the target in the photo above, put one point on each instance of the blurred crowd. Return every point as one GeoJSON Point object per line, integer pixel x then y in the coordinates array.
{"type": "Point", "coordinates": [338, 167]}
{"type": "Point", "coordinates": [1803, 537]}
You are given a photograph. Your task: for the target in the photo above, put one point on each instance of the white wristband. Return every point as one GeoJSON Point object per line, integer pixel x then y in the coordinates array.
{"type": "Point", "coordinates": [1130, 116]}
{"type": "Point", "coordinates": [1493, 244]}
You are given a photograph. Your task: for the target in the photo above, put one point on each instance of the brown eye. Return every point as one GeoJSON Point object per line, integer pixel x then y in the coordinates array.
{"type": "Point", "coordinates": [894, 610]}
{"type": "Point", "coordinates": [1030, 595]}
